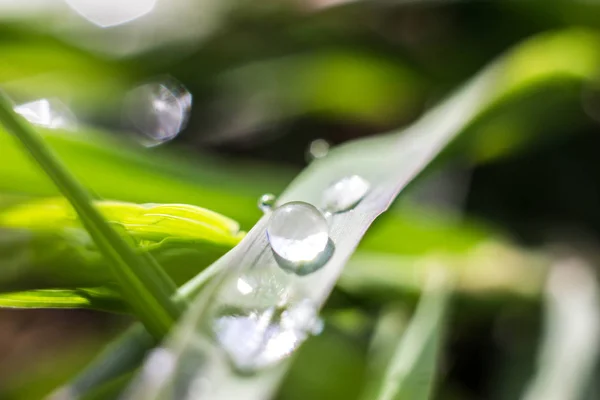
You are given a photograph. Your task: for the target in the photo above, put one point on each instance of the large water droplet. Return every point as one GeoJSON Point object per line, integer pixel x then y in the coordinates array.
{"type": "Point", "coordinates": [318, 148]}
{"type": "Point", "coordinates": [266, 202]}
{"type": "Point", "coordinates": [158, 110]}
{"type": "Point", "coordinates": [49, 113]}
{"type": "Point", "coordinates": [345, 194]}
{"type": "Point", "coordinates": [298, 232]}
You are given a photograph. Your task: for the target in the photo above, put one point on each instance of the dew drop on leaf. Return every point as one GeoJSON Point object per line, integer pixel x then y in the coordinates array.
{"type": "Point", "coordinates": [266, 202]}
{"type": "Point", "coordinates": [158, 111]}
{"type": "Point", "coordinates": [318, 148]}
{"type": "Point", "coordinates": [49, 113]}
{"type": "Point", "coordinates": [298, 233]}
{"type": "Point", "coordinates": [345, 193]}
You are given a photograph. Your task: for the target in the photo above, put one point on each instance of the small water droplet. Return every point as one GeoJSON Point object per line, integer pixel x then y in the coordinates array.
{"type": "Point", "coordinates": [298, 232]}
{"type": "Point", "coordinates": [317, 327]}
{"type": "Point", "coordinates": [49, 113]}
{"type": "Point", "coordinates": [158, 110]}
{"type": "Point", "coordinates": [318, 148]}
{"type": "Point", "coordinates": [266, 202]}
{"type": "Point", "coordinates": [345, 193]}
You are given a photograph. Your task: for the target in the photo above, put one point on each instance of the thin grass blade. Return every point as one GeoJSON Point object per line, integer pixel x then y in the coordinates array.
{"type": "Point", "coordinates": [411, 372]}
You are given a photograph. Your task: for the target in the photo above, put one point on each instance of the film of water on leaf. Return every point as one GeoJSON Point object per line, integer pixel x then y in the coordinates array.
{"type": "Point", "coordinates": [261, 320]}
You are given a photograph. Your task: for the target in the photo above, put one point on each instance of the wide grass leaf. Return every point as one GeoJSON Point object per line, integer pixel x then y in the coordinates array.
{"type": "Point", "coordinates": [43, 243]}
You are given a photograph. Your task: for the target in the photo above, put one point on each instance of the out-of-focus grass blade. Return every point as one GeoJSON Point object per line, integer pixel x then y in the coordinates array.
{"type": "Point", "coordinates": [411, 370]}
{"type": "Point", "coordinates": [37, 66]}
{"type": "Point", "coordinates": [571, 344]}
{"type": "Point", "coordinates": [389, 163]}
{"type": "Point", "coordinates": [390, 327]}
{"type": "Point", "coordinates": [490, 266]}
{"type": "Point", "coordinates": [102, 299]}
{"type": "Point", "coordinates": [117, 169]}
{"type": "Point", "coordinates": [143, 283]}
{"type": "Point", "coordinates": [43, 243]}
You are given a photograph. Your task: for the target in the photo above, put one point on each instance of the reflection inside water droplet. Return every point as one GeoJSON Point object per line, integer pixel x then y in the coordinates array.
{"type": "Point", "coordinates": [266, 202]}
{"type": "Point", "coordinates": [49, 113]}
{"type": "Point", "coordinates": [158, 110]}
{"type": "Point", "coordinates": [307, 267]}
{"type": "Point", "coordinates": [318, 148]}
{"type": "Point", "coordinates": [298, 232]}
{"type": "Point", "coordinates": [345, 194]}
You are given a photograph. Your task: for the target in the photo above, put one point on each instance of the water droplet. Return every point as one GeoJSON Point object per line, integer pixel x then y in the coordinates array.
{"type": "Point", "coordinates": [158, 110]}
{"type": "Point", "coordinates": [318, 148]}
{"type": "Point", "coordinates": [112, 12]}
{"type": "Point", "coordinates": [256, 338]}
{"type": "Point", "coordinates": [49, 113]}
{"type": "Point", "coordinates": [345, 194]}
{"type": "Point", "coordinates": [266, 202]}
{"type": "Point", "coordinates": [298, 232]}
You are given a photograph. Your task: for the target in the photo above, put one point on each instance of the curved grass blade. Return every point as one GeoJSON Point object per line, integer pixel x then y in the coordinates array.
{"type": "Point", "coordinates": [388, 163]}
{"type": "Point", "coordinates": [43, 243]}
{"type": "Point", "coordinates": [143, 283]}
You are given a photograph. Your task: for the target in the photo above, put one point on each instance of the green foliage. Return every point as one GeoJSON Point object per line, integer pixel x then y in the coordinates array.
{"type": "Point", "coordinates": [141, 281]}
{"type": "Point", "coordinates": [100, 160]}
{"type": "Point", "coordinates": [49, 260]}
{"type": "Point", "coordinates": [412, 369]}
{"type": "Point", "coordinates": [47, 244]}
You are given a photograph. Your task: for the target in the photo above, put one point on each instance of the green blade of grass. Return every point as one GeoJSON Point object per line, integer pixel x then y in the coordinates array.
{"type": "Point", "coordinates": [411, 370]}
{"type": "Point", "coordinates": [390, 163]}
{"type": "Point", "coordinates": [569, 350]}
{"type": "Point", "coordinates": [101, 299]}
{"type": "Point", "coordinates": [143, 283]}
{"type": "Point", "coordinates": [43, 244]}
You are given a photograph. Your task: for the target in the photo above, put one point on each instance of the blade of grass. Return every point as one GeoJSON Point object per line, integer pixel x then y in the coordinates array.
{"type": "Point", "coordinates": [411, 371]}
{"type": "Point", "coordinates": [571, 343]}
{"type": "Point", "coordinates": [90, 298]}
{"type": "Point", "coordinates": [43, 244]}
{"type": "Point", "coordinates": [143, 283]}
{"type": "Point", "coordinates": [390, 327]}
{"type": "Point", "coordinates": [389, 163]}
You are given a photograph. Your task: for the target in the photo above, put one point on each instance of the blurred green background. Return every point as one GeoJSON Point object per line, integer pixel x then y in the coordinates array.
{"type": "Point", "coordinates": [267, 78]}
